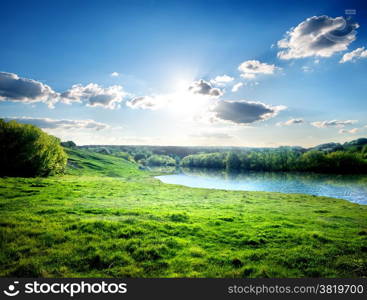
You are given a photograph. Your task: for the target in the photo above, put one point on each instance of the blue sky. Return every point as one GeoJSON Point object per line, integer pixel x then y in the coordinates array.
{"type": "Point", "coordinates": [244, 73]}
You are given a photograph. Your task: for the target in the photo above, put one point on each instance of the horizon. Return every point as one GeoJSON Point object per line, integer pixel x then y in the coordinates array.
{"type": "Point", "coordinates": [239, 74]}
{"type": "Point", "coordinates": [211, 146]}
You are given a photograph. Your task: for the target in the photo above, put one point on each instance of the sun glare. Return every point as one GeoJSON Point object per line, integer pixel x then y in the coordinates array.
{"type": "Point", "coordinates": [185, 103]}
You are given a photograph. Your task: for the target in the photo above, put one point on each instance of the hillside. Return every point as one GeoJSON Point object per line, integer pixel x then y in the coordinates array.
{"type": "Point", "coordinates": [107, 218]}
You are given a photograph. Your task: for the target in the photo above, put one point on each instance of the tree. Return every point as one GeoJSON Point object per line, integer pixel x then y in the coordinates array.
{"type": "Point", "coordinates": [314, 160]}
{"type": "Point", "coordinates": [160, 160]}
{"type": "Point", "coordinates": [68, 144]}
{"type": "Point", "coordinates": [364, 152]}
{"type": "Point", "coordinates": [27, 151]}
{"type": "Point", "coordinates": [233, 162]}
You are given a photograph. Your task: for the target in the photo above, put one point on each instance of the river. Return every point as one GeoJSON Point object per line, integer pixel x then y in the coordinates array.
{"type": "Point", "coordinates": [349, 187]}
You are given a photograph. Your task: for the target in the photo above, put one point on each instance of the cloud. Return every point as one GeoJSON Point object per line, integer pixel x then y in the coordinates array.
{"type": "Point", "coordinates": [47, 123]}
{"type": "Point", "coordinates": [15, 88]}
{"type": "Point", "coordinates": [95, 95]}
{"type": "Point", "coordinates": [236, 87]}
{"type": "Point", "coordinates": [307, 69]}
{"type": "Point", "coordinates": [251, 68]}
{"type": "Point", "coordinates": [291, 122]}
{"type": "Point", "coordinates": [18, 89]}
{"type": "Point", "coordinates": [317, 36]}
{"type": "Point", "coordinates": [333, 123]}
{"type": "Point", "coordinates": [351, 131]}
{"type": "Point", "coordinates": [211, 135]}
{"type": "Point", "coordinates": [221, 80]}
{"type": "Point", "coordinates": [354, 55]}
{"type": "Point", "coordinates": [243, 112]}
{"type": "Point", "coordinates": [204, 88]}
{"type": "Point", "coordinates": [148, 102]}
{"type": "Point", "coordinates": [115, 74]}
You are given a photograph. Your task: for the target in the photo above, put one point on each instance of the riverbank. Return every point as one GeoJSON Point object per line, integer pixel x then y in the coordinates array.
{"type": "Point", "coordinates": [348, 187]}
{"type": "Point", "coordinates": [107, 218]}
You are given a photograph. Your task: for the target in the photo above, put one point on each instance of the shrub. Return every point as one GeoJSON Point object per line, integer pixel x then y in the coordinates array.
{"type": "Point", "coordinates": [27, 151]}
{"type": "Point", "coordinates": [160, 160]}
{"type": "Point", "coordinates": [125, 156]}
{"type": "Point", "coordinates": [68, 144]}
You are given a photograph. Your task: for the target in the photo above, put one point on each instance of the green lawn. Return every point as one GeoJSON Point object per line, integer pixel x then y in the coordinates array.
{"type": "Point", "coordinates": [106, 218]}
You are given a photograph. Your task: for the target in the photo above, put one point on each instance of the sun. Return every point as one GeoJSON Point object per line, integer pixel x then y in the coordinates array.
{"type": "Point", "coordinates": [183, 102]}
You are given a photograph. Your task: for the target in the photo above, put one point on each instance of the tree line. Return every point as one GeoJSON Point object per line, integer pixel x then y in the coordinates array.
{"type": "Point", "coordinates": [282, 160]}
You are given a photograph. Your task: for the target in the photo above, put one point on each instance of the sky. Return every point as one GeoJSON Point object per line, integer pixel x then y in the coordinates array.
{"type": "Point", "coordinates": [193, 73]}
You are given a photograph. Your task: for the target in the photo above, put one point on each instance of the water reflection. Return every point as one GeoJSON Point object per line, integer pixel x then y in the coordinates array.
{"type": "Point", "coordinates": [350, 187]}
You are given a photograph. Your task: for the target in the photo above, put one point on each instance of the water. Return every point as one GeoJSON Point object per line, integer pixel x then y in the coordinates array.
{"type": "Point", "coordinates": [349, 187]}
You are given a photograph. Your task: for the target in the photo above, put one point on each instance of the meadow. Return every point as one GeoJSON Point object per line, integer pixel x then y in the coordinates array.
{"type": "Point", "coordinates": [107, 218]}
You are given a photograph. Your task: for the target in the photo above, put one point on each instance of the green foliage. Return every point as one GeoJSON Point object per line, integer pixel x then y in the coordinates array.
{"type": "Point", "coordinates": [139, 156]}
{"type": "Point", "coordinates": [203, 160]}
{"type": "Point", "coordinates": [364, 152]}
{"type": "Point", "coordinates": [124, 155]}
{"type": "Point", "coordinates": [233, 162]}
{"type": "Point", "coordinates": [68, 144]}
{"type": "Point", "coordinates": [160, 160]}
{"type": "Point", "coordinates": [25, 150]}
{"type": "Point", "coordinates": [350, 162]}
{"type": "Point", "coordinates": [91, 223]}
{"type": "Point", "coordinates": [282, 159]}
{"type": "Point", "coordinates": [313, 160]}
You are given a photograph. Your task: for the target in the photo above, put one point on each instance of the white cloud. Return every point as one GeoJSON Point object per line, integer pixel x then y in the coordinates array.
{"type": "Point", "coordinates": [351, 131]}
{"type": "Point", "coordinates": [291, 122]}
{"type": "Point", "coordinates": [95, 95]}
{"type": "Point", "coordinates": [115, 74]}
{"type": "Point", "coordinates": [307, 69]}
{"type": "Point", "coordinates": [242, 112]}
{"type": "Point", "coordinates": [236, 87]}
{"type": "Point", "coordinates": [251, 68]}
{"type": "Point", "coordinates": [320, 36]}
{"type": "Point", "coordinates": [47, 123]}
{"type": "Point", "coordinates": [354, 55]}
{"type": "Point", "coordinates": [211, 135]}
{"type": "Point", "coordinates": [18, 89]}
{"type": "Point", "coordinates": [333, 123]}
{"type": "Point", "coordinates": [204, 88]}
{"type": "Point", "coordinates": [149, 102]}
{"type": "Point", "coordinates": [221, 80]}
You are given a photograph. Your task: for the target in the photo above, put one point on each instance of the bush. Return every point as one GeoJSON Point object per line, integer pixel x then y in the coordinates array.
{"type": "Point", "coordinates": [68, 144]}
{"type": "Point", "coordinates": [27, 151]}
{"type": "Point", "coordinates": [125, 156]}
{"type": "Point", "coordinates": [160, 160]}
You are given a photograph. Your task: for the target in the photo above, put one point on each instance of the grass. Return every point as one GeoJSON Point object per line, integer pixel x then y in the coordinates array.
{"type": "Point", "coordinates": [107, 218]}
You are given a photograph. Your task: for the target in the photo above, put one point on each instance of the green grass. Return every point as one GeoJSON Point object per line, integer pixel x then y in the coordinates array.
{"type": "Point", "coordinates": [108, 218]}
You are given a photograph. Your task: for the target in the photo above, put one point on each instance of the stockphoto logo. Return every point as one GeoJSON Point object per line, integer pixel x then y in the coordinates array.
{"type": "Point", "coordinates": [12, 291]}
{"type": "Point", "coordinates": [70, 289]}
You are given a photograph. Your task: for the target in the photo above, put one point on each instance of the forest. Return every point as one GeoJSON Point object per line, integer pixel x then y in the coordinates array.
{"type": "Point", "coordinates": [350, 157]}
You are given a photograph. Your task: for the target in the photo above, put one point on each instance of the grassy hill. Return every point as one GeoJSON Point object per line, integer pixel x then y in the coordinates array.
{"type": "Point", "coordinates": [106, 217]}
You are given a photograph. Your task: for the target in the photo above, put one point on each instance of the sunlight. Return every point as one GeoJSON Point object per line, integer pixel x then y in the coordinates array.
{"type": "Point", "coordinates": [185, 103]}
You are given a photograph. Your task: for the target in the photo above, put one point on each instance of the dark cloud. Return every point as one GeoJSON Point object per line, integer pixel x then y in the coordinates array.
{"type": "Point", "coordinates": [15, 88]}
{"type": "Point", "coordinates": [244, 112]}
{"type": "Point", "coordinates": [204, 88]}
